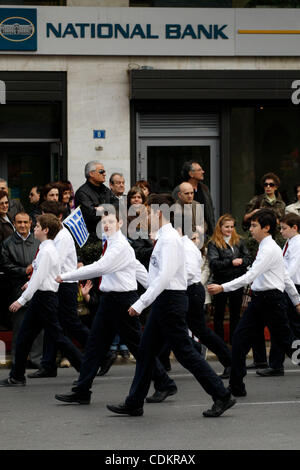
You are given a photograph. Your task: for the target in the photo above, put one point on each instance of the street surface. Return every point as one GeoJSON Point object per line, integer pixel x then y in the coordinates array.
{"type": "Point", "coordinates": [268, 418]}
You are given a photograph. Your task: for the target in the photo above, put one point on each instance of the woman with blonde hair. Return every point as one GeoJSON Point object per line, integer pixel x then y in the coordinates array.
{"type": "Point", "coordinates": [228, 259]}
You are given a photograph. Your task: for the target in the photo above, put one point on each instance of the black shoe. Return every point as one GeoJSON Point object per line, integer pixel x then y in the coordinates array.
{"type": "Point", "coordinates": [11, 382]}
{"type": "Point", "coordinates": [106, 365]}
{"type": "Point", "coordinates": [257, 365]}
{"type": "Point", "coordinates": [123, 409]}
{"type": "Point", "coordinates": [125, 354]}
{"type": "Point", "coordinates": [159, 396]}
{"type": "Point", "coordinates": [42, 373]}
{"type": "Point", "coordinates": [74, 397]}
{"type": "Point", "coordinates": [237, 391]}
{"type": "Point", "coordinates": [219, 407]}
{"type": "Point", "coordinates": [226, 373]}
{"type": "Point", "coordinates": [269, 372]}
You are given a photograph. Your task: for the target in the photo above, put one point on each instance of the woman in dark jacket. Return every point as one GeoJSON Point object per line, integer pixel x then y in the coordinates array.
{"type": "Point", "coordinates": [228, 259]}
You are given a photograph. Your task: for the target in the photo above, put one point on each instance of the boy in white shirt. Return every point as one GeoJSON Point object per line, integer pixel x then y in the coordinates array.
{"type": "Point", "coordinates": [67, 296]}
{"type": "Point", "coordinates": [119, 271]}
{"type": "Point", "coordinates": [41, 291]}
{"type": "Point", "coordinates": [268, 306]}
{"type": "Point", "coordinates": [167, 320]}
{"type": "Point", "coordinates": [290, 229]}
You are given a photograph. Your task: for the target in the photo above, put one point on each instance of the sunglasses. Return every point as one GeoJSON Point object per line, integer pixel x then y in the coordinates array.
{"type": "Point", "coordinates": [269, 184]}
{"type": "Point", "coordinates": [101, 172]}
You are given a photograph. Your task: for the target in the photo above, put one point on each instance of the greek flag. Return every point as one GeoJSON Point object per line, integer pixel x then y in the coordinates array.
{"type": "Point", "coordinates": [75, 222]}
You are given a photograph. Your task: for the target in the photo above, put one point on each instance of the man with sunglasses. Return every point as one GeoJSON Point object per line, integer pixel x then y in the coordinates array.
{"type": "Point", "coordinates": [93, 194]}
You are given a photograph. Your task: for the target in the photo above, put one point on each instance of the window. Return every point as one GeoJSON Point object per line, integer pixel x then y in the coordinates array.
{"type": "Point", "coordinates": [264, 138]}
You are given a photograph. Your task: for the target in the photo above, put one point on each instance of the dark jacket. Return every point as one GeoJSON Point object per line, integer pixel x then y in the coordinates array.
{"type": "Point", "coordinates": [16, 255]}
{"type": "Point", "coordinates": [6, 229]}
{"type": "Point", "coordinates": [143, 250]}
{"type": "Point", "coordinates": [88, 197]}
{"type": "Point", "coordinates": [262, 202]}
{"type": "Point", "coordinates": [203, 196]}
{"type": "Point", "coordinates": [220, 261]}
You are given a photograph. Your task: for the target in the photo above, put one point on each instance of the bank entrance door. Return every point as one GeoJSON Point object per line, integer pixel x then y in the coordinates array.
{"type": "Point", "coordinates": [162, 150]}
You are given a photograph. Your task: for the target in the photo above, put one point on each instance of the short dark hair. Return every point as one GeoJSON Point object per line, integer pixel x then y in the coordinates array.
{"type": "Point", "coordinates": [291, 220]}
{"type": "Point", "coordinates": [111, 179]}
{"type": "Point", "coordinates": [115, 211]}
{"type": "Point", "coordinates": [186, 168]}
{"type": "Point", "coordinates": [161, 198]}
{"type": "Point", "coordinates": [53, 207]}
{"type": "Point", "coordinates": [51, 222]}
{"type": "Point", "coordinates": [134, 190]}
{"type": "Point", "coordinates": [22, 213]}
{"type": "Point", "coordinates": [38, 189]}
{"type": "Point", "coordinates": [266, 217]}
{"type": "Point", "coordinates": [47, 188]}
{"type": "Point", "coordinates": [270, 176]}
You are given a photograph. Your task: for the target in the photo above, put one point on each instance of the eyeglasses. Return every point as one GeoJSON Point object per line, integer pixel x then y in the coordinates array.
{"type": "Point", "coordinates": [269, 184]}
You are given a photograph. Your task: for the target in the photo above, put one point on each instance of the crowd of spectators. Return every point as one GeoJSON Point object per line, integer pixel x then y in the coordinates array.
{"type": "Point", "coordinates": [226, 254]}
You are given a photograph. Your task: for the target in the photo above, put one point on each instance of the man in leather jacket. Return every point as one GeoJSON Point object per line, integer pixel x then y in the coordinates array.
{"type": "Point", "coordinates": [93, 194]}
{"type": "Point", "coordinates": [17, 254]}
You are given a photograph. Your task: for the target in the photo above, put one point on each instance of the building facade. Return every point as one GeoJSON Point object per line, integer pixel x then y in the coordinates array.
{"type": "Point", "coordinates": [143, 88]}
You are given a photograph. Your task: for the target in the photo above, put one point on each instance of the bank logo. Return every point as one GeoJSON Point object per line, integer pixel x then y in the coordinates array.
{"type": "Point", "coordinates": [18, 29]}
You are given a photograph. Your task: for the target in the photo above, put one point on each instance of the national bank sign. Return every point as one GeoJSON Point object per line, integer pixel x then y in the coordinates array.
{"type": "Point", "coordinates": [18, 29]}
{"type": "Point", "coordinates": [129, 31]}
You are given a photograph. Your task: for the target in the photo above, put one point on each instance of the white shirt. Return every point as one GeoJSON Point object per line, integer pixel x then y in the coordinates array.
{"type": "Point", "coordinates": [193, 261]}
{"type": "Point", "coordinates": [267, 272]}
{"type": "Point", "coordinates": [167, 267]}
{"type": "Point", "coordinates": [118, 267]}
{"type": "Point", "coordinates": [65, 246]}
{"type": "Point", "coordinates": [292, 258]}
{"type": "Point", "coordinates": [46, 267]}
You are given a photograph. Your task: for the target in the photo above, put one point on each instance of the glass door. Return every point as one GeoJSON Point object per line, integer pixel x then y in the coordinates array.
{"type": "Point", "coordinates": [160, 161]}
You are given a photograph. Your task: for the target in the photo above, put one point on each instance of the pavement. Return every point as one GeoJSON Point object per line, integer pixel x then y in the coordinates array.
{"type": "Point", "coordinates": [267, 419]}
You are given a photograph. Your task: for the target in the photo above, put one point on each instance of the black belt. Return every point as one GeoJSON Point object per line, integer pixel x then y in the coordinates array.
{"type": "Point", "coordinates": [265, 292]}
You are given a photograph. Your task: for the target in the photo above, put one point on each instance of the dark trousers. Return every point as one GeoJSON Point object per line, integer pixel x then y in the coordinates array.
{"type": "Point", "coordinates": [167, 322]}
{"type": "Point", "coordinates": [196, 322]}
{"type": "Point", "coordinates": [42, 313]}
{"type": "Point", "coordinates": [277, 355]}
{"type": "Point", "coordinates": [268, 308]}
{"type": "Point", "coordinates": [69, 321]}
{"type": "Point", "coordinates": [112, 317]}
{"type": "Point", "coordinates": [235, 302]}
{"type": "Point", "coordinates": [36, 352]}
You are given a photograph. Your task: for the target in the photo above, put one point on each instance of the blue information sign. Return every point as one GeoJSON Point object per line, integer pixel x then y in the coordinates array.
{"type": "Point", "coordinates": [99, 134]}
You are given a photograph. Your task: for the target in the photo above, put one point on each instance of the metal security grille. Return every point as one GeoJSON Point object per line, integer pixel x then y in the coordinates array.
{"type": "Point", "coordinates": [181, 124]}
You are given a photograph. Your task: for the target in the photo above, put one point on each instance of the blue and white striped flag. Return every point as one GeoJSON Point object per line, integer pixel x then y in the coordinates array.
{"type": "Point", "coordinates": [75, 222]}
